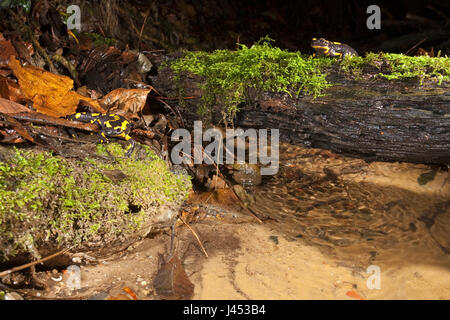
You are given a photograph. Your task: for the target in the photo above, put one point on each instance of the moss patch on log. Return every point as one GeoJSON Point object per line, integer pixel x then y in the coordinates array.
{"type": "Point", "coordinates": [48, 200]}
{"type": "Point", "coordinates": [394, 66]}
{"type": "Point", "coordinates": [227, 74]}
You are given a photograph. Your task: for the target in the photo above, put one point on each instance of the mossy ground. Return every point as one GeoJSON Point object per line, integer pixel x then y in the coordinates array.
{"type": "Point", "coordinates": [51, 201]}
{"type": "Point", "coordinates": [227, 74]}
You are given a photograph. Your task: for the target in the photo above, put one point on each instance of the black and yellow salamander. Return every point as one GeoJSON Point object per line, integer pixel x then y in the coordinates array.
{"type": "Point", "coordinates": [332, 49]}
{"type": "Point", "coordinates": [112, 125]}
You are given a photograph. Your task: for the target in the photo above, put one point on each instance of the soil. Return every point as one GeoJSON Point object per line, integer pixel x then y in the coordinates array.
{"type": "Point", "coordinates": [252, 267]}
{"type": "Point", "coordinates": [322, 253]}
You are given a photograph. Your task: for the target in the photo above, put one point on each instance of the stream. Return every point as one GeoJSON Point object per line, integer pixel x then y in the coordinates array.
{"type": "Point", "coordinates": [360, 212]}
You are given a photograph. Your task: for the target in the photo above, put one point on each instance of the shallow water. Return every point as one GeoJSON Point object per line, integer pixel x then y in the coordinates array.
{"type": "Point", "coordinates": [359, 213]}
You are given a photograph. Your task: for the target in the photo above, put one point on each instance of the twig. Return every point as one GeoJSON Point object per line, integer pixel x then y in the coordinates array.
{"type": "Point", "coordinates": [196, 236]}
{"type": "Point", "coordinates": [59, 137]}
{"type": "Point", "coordinates": [172, 238]}
{"type": "Point", "coordinates": [415, 46]}
{"type": "Point", "coordinates": [177, 98]}
{"type": "Point", "coordinates": [36, 44]}
{"type": "Point", "coordinates": [4, 273]}
{"type": "Point", "coordinates": [142, 28]}
{"type": "Point", "coordinates": [178, 112]}
{"type": "Point", "coordinates": [73, 72]}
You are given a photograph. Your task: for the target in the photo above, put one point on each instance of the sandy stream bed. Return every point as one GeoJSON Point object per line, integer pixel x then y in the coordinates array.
{"type": "Point", "coordinates": [258, 261]}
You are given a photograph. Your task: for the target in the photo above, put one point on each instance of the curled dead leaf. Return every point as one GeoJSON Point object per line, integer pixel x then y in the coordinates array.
{"type": "Point", "coordinates": [122, 101]}
{"type": "Point", "coordinates": [18, 127]}
{"type": "Point", "coordinates": [10, 90]}
{"type": "Point", "coordinates": [7, 51]}
{"type": "Point", "coordinates": [51, 94]}
{"type": "Point", "coordinates": [8, 106]}
{"type": "Point", "coordinates": [171, 282]}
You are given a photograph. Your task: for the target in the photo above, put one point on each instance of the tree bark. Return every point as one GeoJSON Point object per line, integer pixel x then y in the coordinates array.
{"type": "Point", "coordinates": [374, 119]}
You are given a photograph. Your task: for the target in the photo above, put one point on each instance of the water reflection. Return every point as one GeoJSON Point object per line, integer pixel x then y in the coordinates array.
{"type": "Point", "coordinates": [360, 213]}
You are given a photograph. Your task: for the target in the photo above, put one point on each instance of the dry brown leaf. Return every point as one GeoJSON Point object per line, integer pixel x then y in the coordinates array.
{"type": "Point", "coordinates": [7, 137]}
{"type": "Point", "coordinates": [10, 90]}
{"type": "Point", "coordinates": [6, 51]}
{"type": "Point", "coordinates": [18, 127]}
{"type": "Point", "coordinates": [122, 101]}
{"type": "Point", "coordinates": [5, 72]}
{"type": "Point", "coordinates": [171, 282]}
{"type": "Point", "coordinates": [51, 94]}
{"type": "Point", "coordinates": [8, 106]}
{"type": "Point", "coordinates": [24, 50]}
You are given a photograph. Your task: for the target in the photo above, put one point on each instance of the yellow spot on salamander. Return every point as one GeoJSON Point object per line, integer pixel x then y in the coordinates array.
{"type": "Point", "coordinates": [124, 125]}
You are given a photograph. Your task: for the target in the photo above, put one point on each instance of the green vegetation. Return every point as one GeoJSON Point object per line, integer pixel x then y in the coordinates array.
{"type": "Point", "coordinates": [47, 200]}
{"type": "Point", "coordinates": [26, 4]}
{"type": "Point", "coordinates": [227, 74]}
{"type": "Point", "coordinates": [97, 39]}
{"type": "Point", "coordinates": [394, 66]}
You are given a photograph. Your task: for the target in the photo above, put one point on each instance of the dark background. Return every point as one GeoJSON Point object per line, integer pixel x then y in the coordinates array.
{"type": "Point", "coordinates": [222, 23]}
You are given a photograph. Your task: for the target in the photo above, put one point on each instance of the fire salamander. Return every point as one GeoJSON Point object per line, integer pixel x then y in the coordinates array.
{"type": "Point", "coordinates": [332, 49]}
{"type": "Point", "coordinates": [112, 125]}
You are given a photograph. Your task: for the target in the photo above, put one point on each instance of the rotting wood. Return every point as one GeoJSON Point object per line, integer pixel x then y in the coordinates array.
{"type": "Point", "coordinates": [372, 119]}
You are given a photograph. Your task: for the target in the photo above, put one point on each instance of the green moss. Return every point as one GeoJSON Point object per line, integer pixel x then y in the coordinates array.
{"type": "Point", "coordinates": [26, 4]}
{"type": "Point", "coordinates": [227, 74]}
{"type": "Point", "coordinates": [97, 39]}
{"type": "Point", "coordinates": [393, 66]}
{"type": "Point", "coordinates": [49, 199]}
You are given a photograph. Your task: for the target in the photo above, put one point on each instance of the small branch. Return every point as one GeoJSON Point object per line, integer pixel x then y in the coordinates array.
{"type": "Point", "coordinates": [415, 46]}
{"type": "Point", "coordinates": [73, 72]}
{"type": "Point", "coordinates": [171, 109]}
{"type": "Point", "coordinates": [196, 236]}
{"type": "Point", "coordinates": [4, 273]}
{"type": "Point", "coordinates": [36, 44]}
{"type": "Point", "coordinates": [142, 29]}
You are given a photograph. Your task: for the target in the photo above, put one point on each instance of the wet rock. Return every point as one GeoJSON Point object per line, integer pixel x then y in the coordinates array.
{"type": "Point", "coordinates": [247, 174]}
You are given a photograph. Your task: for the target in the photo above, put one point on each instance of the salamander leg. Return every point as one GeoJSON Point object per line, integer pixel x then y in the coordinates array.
{"type": "Point", "coordinates": [103, 138]}
{"type": "Point", "coordinates": [130, 147]}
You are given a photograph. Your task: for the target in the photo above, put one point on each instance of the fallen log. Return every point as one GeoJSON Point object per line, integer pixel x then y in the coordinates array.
{"type": "Point", "coordinates": [374, 119]}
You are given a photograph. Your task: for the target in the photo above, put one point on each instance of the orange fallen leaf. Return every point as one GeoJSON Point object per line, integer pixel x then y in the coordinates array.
{"type": "Point", "coordinates": [130, 292]}
{"type": "Point", "coordinates": [120, 296]}
{"type": "Point", "coordinates": [354, 294]}
{"type": "Point", "coordinates": [51, 93]}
